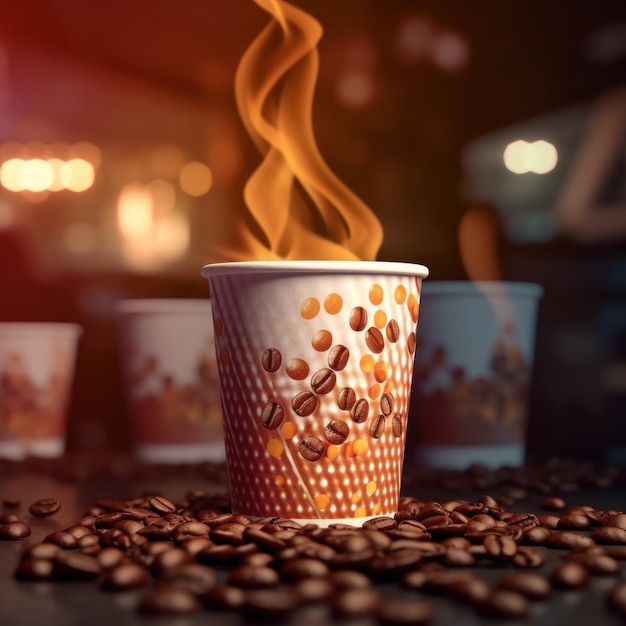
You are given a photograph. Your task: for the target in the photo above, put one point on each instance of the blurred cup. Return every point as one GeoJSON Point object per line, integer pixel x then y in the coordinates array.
{"type": "Point", "coordinates": [473, 370]}
{"type": "Point", "coordinates": [315, 361]}
{"type": "Point", "coordinates": [169, 375]}
{"type": "Point", "coordinates": [37, 361]}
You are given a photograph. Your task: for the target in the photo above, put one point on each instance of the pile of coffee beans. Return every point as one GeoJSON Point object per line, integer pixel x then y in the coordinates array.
{"type": "Point", "coordinates": [186, 557]}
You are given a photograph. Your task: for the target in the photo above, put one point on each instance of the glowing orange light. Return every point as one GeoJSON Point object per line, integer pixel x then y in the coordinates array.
{"type": "Point", "coordinates": [355, 88]}
{"type": "Point", "coordinates": [36, 175]}
{"type": "Point", "coordinates": [77, 175]}
{"type": "Point", "coordinates": [10, 174]}
{"type": "Point", "coordinates": [134, 212]}
{"type": "Point", "coordinates": [195, 178]}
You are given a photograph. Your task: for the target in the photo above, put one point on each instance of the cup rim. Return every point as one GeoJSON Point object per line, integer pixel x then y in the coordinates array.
{"type": "Point", "coordinates": [482, 287]}
{"type": "Point", "coordinates": [163, 305]}
{"type": "Point", "coordinates": [40, 329]}
{"type": "Point", "coordinates": [326, 266]}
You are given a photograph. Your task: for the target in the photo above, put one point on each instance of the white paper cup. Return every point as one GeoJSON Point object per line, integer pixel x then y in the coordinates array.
{"type": "Point", "coordinates": [473, 371]}
{"type": "Point", "coordinates": [315, 361]}
{"type": "Point", "coordinates": [170, 381]}
{"type": "Point", "coordinates": [37, 361]}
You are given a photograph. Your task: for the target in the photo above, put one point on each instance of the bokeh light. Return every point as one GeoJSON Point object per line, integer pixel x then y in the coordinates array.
{"type": "Point", "coordinates": [195, 178]}
{"type": "Point", "coordinates": [538, 157]}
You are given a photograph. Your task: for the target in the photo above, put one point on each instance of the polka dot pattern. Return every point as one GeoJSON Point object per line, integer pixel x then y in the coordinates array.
{"type": "Point", "coordinates": [329, 443]}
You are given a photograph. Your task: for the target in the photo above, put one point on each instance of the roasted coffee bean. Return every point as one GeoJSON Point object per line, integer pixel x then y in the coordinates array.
{"type": "Point", "coordinates": [377, 426]}
{"type": "Point", "coordinates": [311, 448]}
{"type": "Point", "coordinates": [322, 340]}
{"type": "Point", "coordinates": [470, 589]}
{"type": "Point", "coordinates": [224, 597]}
{"type": "Point", "coordinates": [397, 426]}
{"type": "Point", "coordinates": [110, 557]}
{"type": "Point", "coordinates": [125, 575]}
{"type": "Point", "coordinates": [398, 611]}
{"type": "Point", "coordinates": [616, 552]}
{"type": "Point", "coordinates": [336, 431]}
{"type": "Point", "coordinates": [63, 539]}
{"type": "Point", "coordinates": [351, 603]}
{"type": "Point", "coordinates": [41, 551]}
{"type": "Point", "coordinates": [272, 416]}
{"type": "Point", "coordinates": [536, 536]}
{"type": "Point", "coordinates": [386, 403]}
{"type": "Point", "coordinates": [458, 557]}
{"type": "Point", "coordinates": [169, 601]}
{"type": "Point", "coordinates": [14, 531]}
{"type": "Point", "coordinates": [358, 318]}
{"type": "Point", "coordinates": [271, 360]}
{"type": "Point", "coordinates": [312, 590]}
{"type": "Point", "coordinates": [11, 503]}
{"type": "Point", "coordinates": [618, 521]}
{"type": "Point", "coordinates": [553, 503]}
{"type": "Point", "coordinates": [193, 577]}
{"type": "Point", "coordinates": [247, 577]}
{"type": "Point", "coordinates": [35, 569]}
{"type": "Point", "coordinates": [193, 545]}
{"type": "Point", "coordinates": [528, 557]}
{"type": "Point", "coordinates": [616, 599]}
{"type": "Point", "coordinates": [360, 410]}
{"type": "Point", "coordinates": [350, 579]}
{"type": "Point", "coordinates": [298, 369]}
{"type": "Point", "coordinates": [569, 575]}
{"type": "Point", "coordinates": [500, 547]}
{"type": "Point", "coordinates": [269, 605]}
{"type": "Point", "coordinates": [380, 523]}
{"type": "Point", "coordinates": [532, 586]}
{"type": "Point", "coordinates": [170, 558]}
{"type": "Point", "coordinates": [505, 603]}
{"type": "Point", "coordinates": [7, 518]}
{"type": "Point", "coordinates": [568, 540]}
{"type": "Point", "coordinates": [303, 568]}
{"type": "Point", "coordinates": [346, 398]}
{"type": "Point", "coordinates": [574, 521]}
{"type": "Point", "coordinates": [338, 357]}
{"type": "Point", "coordinates": [393, 331]}
{"type": "Point", "coordinates": [162, 505]}
{"type": "Point", "coordinates": [549, 521]}
{"type": "Point", "coordinates": [323, 381]}
{"type": "Point", "coordinates": [44, 507]}
{"type": "Point", "coordinates": [304, 403]}
{"type": "Point", "coordinates": [598, 564]}
{"type": "Point", "coordinates": [72, 565]}
{"type": "Point", "coordinates": [411, 342]}
{"type": "Point", "coordinates": [268, 542]}
{"type": "Point", "coordinates": [374, 340]}
{"type": "Point", "coordinates": [609, 535]}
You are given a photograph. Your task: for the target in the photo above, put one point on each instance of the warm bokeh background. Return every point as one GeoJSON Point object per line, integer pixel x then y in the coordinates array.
{"type": "Point", "coordinates": [416, 102]}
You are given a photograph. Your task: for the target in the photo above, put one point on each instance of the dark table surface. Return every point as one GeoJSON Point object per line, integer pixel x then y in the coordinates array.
{"type": "Point", "coordinates": [79, 483]}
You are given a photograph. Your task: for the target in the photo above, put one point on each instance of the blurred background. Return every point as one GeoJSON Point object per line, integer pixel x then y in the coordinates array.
{"type": "Point", "coordinates": [122, 154]}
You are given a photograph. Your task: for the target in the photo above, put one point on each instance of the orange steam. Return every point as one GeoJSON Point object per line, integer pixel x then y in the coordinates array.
{"type": "Point", "coordinates": [302, 209]}
{"type": "Point", "coordinates": [478, 244]}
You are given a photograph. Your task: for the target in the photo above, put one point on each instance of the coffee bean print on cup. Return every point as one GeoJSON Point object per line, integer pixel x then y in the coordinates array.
{"type": "Point", "coordinates": [352, 339]}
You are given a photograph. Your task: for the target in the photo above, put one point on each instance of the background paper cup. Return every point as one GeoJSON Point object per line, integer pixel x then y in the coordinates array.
{"type": "Point", "coordinates": [472, 375]}
{"type": "Point", "coordinates": [315, 361]}
{"type": "Point", "coordinates": [37, 362]}
{"type": "Point", "coordinates": [170, 381]}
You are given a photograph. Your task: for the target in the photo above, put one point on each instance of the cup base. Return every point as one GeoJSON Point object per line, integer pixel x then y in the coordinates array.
{"type": "Point", "coordinates": [357, 522]}
{"type": "Point", "coordinates": [462, 457]}
{"type": "Point", "coordinates": [181, 453]}
{"type": "Point", "coordinates": [49, 447]}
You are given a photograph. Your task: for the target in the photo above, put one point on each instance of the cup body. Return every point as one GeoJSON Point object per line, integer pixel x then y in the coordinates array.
{"type": "Point", "coordinates": [315, 361]}
{"type": "Point", "coordinates": [170, 382]}
{"type": "Point", "coordinates": [37, 361]}
{"type": "Point", "coordinates": [473, 372]}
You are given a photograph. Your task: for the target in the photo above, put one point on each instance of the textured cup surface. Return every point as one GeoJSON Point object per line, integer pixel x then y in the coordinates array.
{"type": "Point", "coordinates": [170, 379]}
{"type": "Point", "coordinates": [315, 362]}
{"type": "Point", "coordinates": [37, 362]}
{"type": "Point", "coordinates": [473, 373]}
